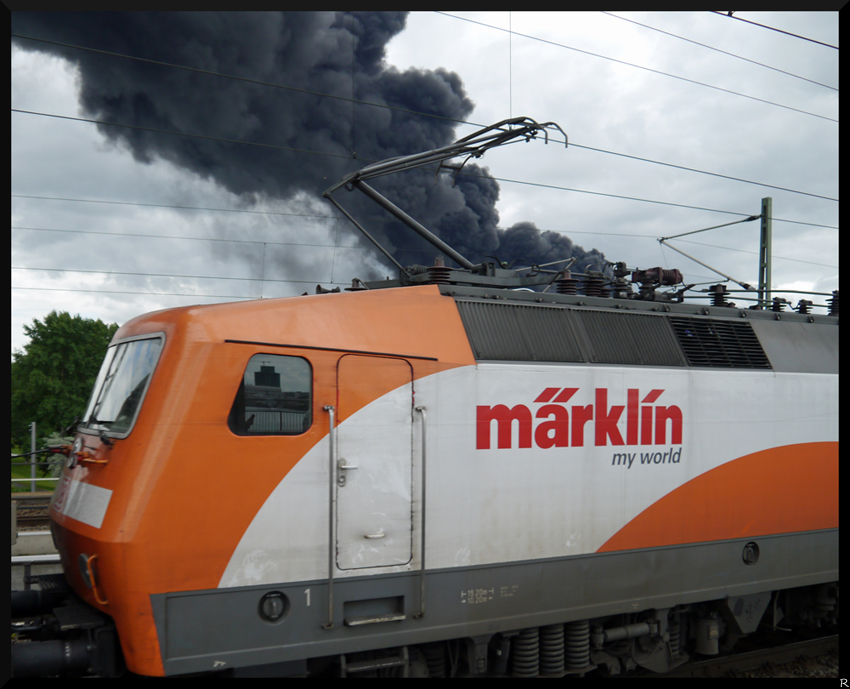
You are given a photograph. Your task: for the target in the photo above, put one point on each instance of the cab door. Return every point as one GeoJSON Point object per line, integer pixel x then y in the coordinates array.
{"type": "Point", "coordinates": [374, 457]}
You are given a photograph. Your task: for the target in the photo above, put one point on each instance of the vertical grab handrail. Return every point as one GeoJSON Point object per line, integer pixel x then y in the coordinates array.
{"type": "Point", "coordinates": [421, 410]}
{"type": "Point", "coordinates": [331, 515]}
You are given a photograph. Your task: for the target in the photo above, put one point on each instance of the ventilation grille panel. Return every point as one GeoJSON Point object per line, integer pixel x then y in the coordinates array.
{"type": "Point", "coordinates": [719, 343]}
{"type": "Point", "coordinates": [617, 337]}
{"type": "Point", "coordinates": [524, 332]}
{"type": "Point", "coordinates": [514, 332]}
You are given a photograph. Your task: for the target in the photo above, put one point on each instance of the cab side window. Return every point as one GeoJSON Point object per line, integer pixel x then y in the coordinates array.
{"type": "Point", "coordinates": [275, 397]}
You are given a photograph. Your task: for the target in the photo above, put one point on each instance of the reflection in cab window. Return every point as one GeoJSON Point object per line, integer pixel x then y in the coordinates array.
{"type": "Point", "coordinates": [274, 397]}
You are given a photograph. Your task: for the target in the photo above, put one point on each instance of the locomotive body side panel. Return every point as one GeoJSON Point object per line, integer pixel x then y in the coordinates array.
{"type": "Point", "coordinates": [501, 489]}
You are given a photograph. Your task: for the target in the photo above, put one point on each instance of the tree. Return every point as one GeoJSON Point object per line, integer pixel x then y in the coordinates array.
{"type": "Point", "coordinates": [53, 376]}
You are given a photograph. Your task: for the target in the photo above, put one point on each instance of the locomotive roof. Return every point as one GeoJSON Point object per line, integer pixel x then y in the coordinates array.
{"type": "Point", "coordinates": [636, 305]}
{"type": "Point", "coordinates": [414, 322]}
{"type": "Point", "coordinates": [461, 324]}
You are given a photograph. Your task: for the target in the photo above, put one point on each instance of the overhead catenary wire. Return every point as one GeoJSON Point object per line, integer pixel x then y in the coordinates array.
{"type": "Point", "coordinates": [702, 172]}
{"type": "Point", "coordinates": [635, 198]}
{"type": "Point", "coordinates": [177, 133]}
{"type": "Point", "coordinates": [756, 253]}
{"type": "Point", "coordinates": [360, 248]}
{"type": "Point", "coordinates": [355, 101]}
{"type": "Point", "coordinates": [571, 189]}
{"type": "Point", "coordinates": [647, 69]}
{"type": "Point", "coordinates": [161, 275]}
{"type": "Point", "coordinates": [199, 239]}
{"type": "Point", "coordinates": [725, 52]}
{"type": "Point", "coordinates": [773, 28]}
{"type": "Point", "coordinates": [368, 160]}
{"type": "Point", "coordinates": [164, 294]}
{"type": "Point", "coordinates": [176, 207]}
{"type": "Point", "coordinates": [345, 247]}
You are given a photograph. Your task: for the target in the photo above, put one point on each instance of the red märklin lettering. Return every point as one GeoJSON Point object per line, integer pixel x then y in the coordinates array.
{"type": "Point", "coordinates": [558, 425]}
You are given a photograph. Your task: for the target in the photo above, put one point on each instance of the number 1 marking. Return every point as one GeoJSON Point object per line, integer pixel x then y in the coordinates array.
{"type": "Point", "coordinates": [307, 593]}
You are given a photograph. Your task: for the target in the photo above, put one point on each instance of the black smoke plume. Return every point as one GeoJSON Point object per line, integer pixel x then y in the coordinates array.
{"type": "Point", "coordinates": [323, 139]}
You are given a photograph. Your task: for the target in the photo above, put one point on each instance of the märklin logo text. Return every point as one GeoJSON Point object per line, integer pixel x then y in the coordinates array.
{"type": "Point", "coordinates": [554, 424]}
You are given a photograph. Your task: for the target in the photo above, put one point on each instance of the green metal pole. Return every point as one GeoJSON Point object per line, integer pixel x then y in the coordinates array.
{"type": "Point", "coordinates": [765, 252]}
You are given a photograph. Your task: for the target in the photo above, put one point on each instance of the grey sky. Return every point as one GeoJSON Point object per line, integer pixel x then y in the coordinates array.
{"type": "Point", "coordinates": [297, 242]}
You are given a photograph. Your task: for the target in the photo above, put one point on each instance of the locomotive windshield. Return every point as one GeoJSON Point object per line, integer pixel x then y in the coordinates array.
{"type": "Point", "coordinates": [121, 385]}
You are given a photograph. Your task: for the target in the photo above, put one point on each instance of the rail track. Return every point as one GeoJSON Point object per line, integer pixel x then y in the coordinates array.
{"type": "Point", "coordinates": [756, 658]}
{"type": "Point", "coordinates": [31, 509]}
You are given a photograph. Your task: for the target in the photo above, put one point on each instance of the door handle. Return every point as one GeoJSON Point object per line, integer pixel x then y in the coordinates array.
{"type": "Point", "coordinates": [342, 466]}
{"type": "Point", "coordinates": [380, 534]}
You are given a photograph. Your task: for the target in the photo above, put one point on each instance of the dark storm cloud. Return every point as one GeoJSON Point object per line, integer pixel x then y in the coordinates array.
{"type": "Point", "coordinates": [333, 53]}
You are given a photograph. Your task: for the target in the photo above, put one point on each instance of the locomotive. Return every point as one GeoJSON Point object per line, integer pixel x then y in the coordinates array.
{"type": "Point", "coordinates": [459, 471]}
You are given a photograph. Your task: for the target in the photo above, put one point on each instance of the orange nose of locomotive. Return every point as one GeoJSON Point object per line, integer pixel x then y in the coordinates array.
{"type": "Point", "coordinates": [91, 516]}
{"type": "Point", "coordinates": [87, 519]}
{"type": "Point", "coordinates": [78, 513]}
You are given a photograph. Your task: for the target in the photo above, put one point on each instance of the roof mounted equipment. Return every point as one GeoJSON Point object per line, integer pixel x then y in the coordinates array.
{"type": "Point", "coordinates": [472, 146]}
